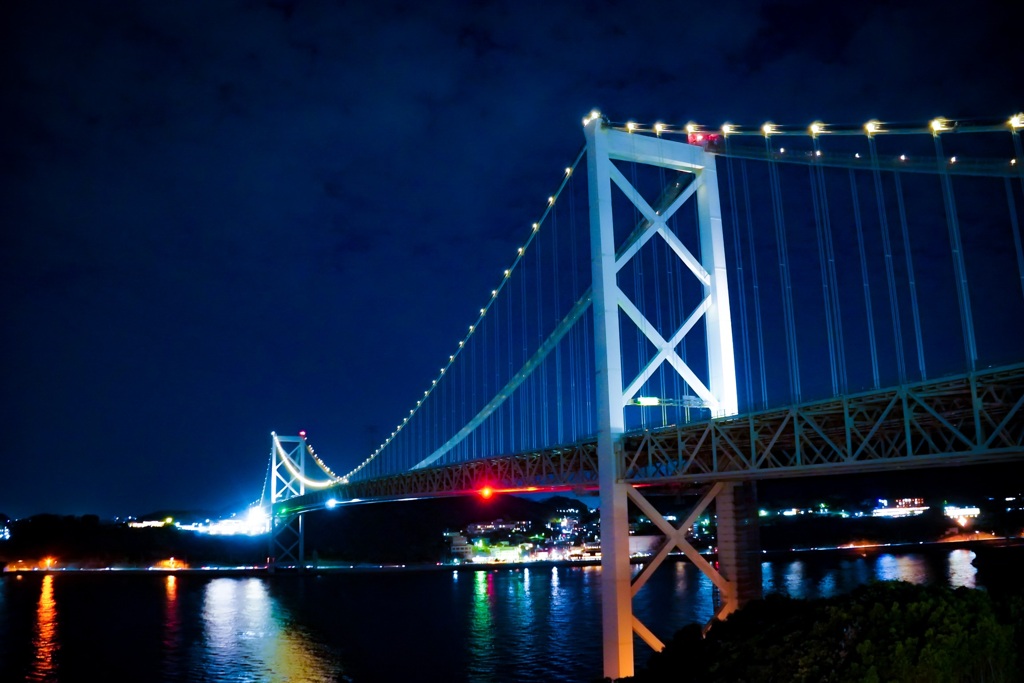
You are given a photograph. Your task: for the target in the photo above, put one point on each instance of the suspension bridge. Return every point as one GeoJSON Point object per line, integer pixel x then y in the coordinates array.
{"type": "Point", "coordinates": [703, 308]}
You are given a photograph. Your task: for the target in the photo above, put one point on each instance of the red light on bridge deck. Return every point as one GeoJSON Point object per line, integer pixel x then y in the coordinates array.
{"type": "Point", "coordinates": [486, 492]}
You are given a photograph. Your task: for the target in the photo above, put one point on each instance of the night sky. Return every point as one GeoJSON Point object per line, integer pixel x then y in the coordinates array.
{"type": "Point", "coordinates": [224, 218]}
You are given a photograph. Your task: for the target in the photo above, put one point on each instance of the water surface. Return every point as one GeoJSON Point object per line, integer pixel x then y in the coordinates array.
{"type": "Point", "coordinates": [532, 625]}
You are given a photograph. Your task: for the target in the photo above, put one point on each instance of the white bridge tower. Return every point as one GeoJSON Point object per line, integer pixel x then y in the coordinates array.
{"type": "Point", "coordinates": [604, 146]}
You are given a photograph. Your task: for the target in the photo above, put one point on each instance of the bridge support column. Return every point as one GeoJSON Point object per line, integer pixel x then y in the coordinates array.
{"type": "Point", "coordinates": [287, 480]}
{"type": "Point", "coordinates": [287, 542]}
{"type": "Point", "coordinates": [719, 395]}
{"type": "Point", "coordinates": [616, 593]}
{"type": "Point", "coordinates": [739, 547]}
{"type": "Point", "coordinates": [616, 598]}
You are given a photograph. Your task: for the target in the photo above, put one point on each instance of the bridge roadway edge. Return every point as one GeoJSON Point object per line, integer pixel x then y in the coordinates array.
{"type": "Point", "coordinates": [968, 419]}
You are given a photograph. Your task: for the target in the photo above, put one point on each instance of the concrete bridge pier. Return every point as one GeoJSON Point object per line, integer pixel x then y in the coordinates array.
{"type": "Point", "coordinates": [739, 546]}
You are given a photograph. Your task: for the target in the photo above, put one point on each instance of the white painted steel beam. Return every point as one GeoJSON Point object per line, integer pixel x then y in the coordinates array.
{"type": "Point", "coordinates": [616, 609]}
{"type": "Point", "coordinates": [720, 393]}
{"type": "Point", "coordinates": [677, 536]}
{"type": "Point", "coordinates": [864, 432]}
{"type": "Point", "coordinates": [604, 145]}
{"type": "Point", "coordinates": [721, 361]}
{"type": "Point", "coordinates": [288, 476]}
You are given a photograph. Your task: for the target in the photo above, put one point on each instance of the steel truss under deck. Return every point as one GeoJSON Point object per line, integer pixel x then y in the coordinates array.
{"type": "Point", "coordinates": [568, 468]}
{"type": "Point", "coordinates": [966, 419]}
{"type": "Point", "coordinates": [972, 418]}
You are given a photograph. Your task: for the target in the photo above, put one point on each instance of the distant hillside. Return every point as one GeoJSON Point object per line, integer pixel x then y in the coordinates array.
{"type": "Point", "coordinates": [411, 531]}
{"type": "Point", "coordinates": [185, 516]}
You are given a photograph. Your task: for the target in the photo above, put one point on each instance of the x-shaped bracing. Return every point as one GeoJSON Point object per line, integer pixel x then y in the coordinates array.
{"type": "Point", "coordinates": [656, 224]}
{"type": "Point", "coordinates": [675, 537]}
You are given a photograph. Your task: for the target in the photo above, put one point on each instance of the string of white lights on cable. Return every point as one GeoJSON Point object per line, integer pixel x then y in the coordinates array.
{"type": "Point", "coordinates": [506, 275]}
{"type": "Point", "coordinates": [294, 471]}
{"type": "Point", "coordinates": [321, 464]}
{"type": "Point", "coordinates": [699, 134]}
{"type": "Point", "coordinates": [873, 127]}
{"type": "Point", "coordinates": [695, 133]}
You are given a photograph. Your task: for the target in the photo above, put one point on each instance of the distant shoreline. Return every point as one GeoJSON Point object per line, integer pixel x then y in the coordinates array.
{"type": "Point", "coordinates": [367, 568]}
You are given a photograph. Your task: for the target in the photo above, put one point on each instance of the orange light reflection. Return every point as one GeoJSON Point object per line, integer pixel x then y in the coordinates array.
{"type": "Point", "coordinates": [44, 666]}
{"type": "Point", "coordinates": [172, 627]}
{"type": "Point", "coordinates": [172, 590]}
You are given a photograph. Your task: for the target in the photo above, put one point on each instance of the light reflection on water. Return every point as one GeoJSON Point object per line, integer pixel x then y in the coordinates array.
{"type": "Point", "coordinates": [768, 577]}
{"type": "Point", "coordinates": [531, 622]}
{"type": "Point", "coordinates": [911, 568]}
{"type": "Point", "coordinates": [827, 585]}
{"type": "Point", "coordinates": [690, 599]}
{"type": "Point", "coordinates": [250, 637]}
{"type": "Point", "coordinates": [961, 570]}
{"type": "Point", "coordinates": [535, 621]}
{"type": "Point", "coordinates": [44, 667]}
{"type": "Point", "coordinates": [531, 625]}
{"type": "Point", "coordinates": [822, 578]}
{"type": "Point", "coordinates": [481, 632]}
{"type": "Point", "coordinates": [172, 630]}
{"type": "Point", "coordinates": [794, 580]}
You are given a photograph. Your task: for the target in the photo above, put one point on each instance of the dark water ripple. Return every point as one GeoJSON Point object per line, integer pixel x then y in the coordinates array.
{"type": "Point", "coordinates": [490, 625]}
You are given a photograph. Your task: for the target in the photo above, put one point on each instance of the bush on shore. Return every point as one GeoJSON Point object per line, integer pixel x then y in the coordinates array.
{"type": "Point", "coordinates": [887, 631]}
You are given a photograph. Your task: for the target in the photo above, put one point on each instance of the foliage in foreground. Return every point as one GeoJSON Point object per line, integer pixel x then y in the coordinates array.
{"type": "Point", "coordinates": [890, 631]}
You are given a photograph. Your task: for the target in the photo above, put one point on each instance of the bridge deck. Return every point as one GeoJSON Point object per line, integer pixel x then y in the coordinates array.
{"type": "Point", "coordinates": [968, 419]}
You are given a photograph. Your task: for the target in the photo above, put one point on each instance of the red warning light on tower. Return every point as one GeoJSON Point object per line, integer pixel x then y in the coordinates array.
{"type": "Point", "coordinates": [302, 433]}
{"type": "Point", "coordinates": [709, 141]}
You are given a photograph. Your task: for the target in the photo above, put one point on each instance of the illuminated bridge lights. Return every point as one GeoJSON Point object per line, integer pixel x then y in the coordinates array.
{"type": "Point", "coordinates": [794, 154]}
{"type": "Point", "coordinates": [520, 253]}
{"type": "Point", "coordinates": [488, 491]}
{"type": "Point", "coordinates": [656, 401]}
{"type": "Point", "coordinates": [879, 437]}
{"type": "Point", "coordinates": [294, 471]}
{"type": "Point", "coordinates": [935, 126]}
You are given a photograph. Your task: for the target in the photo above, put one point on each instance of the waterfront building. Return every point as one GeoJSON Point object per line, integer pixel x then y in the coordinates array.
{"type": "Point", "coordinates": [482, 528]}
